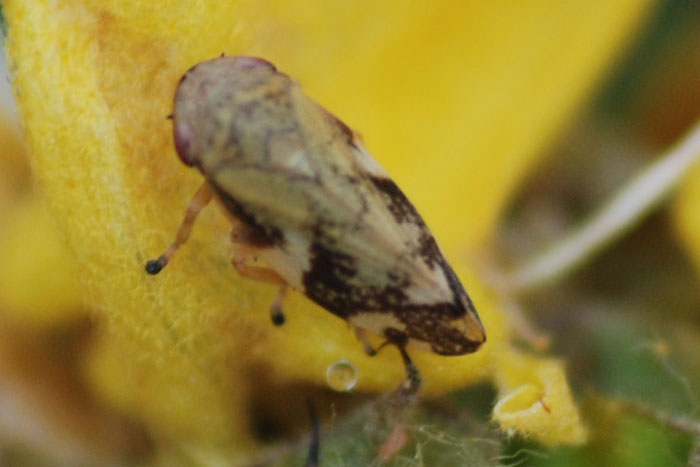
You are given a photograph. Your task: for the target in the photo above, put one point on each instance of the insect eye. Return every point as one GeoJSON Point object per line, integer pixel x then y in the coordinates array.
{"type": "Point", "coordinates": [183, 143]}
{"type": "Point", "coordinates": [254, 63]}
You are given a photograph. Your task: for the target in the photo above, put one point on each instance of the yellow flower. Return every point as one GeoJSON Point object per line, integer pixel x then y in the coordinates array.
{"type": "Point", "coordinates": [456, 99]}
{"type": "Point", "coordinates": [688, 215]}
{"type": "Point", "coordinates": [535, 400]}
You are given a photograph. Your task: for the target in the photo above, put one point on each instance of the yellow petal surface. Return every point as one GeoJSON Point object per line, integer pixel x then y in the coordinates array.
{"type": "Point", "coordinates": [14, 171]}
{"type": "Point", "coordinates": [688, 215]}
{"type": "Point", "coordinates": [37, 282]}
{"type": "Point", "coordinates": [454, 98]}
{"type": "Point", "coordinates": [535, 400]}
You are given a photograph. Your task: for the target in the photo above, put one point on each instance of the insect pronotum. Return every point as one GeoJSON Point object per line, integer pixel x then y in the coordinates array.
{"type": "Point", "coordinates": [307, 198]}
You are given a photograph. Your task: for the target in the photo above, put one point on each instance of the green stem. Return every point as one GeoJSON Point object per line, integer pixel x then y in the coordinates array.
{"type": "Point", "coordinates": [636, 199]}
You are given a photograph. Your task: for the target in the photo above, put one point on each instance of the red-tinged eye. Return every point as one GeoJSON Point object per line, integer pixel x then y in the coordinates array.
{"type": "Point", "coordinates": [183, 143]}
{"type": "Point", "coordinates": [253, 63]}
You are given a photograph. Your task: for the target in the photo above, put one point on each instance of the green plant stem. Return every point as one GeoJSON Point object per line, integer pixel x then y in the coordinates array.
{"type": "Point", "coordinates": [626, 208]}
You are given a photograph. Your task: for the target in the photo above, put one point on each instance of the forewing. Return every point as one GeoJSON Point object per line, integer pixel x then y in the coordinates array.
{"type": "Point", "coordinates": [327, 207]}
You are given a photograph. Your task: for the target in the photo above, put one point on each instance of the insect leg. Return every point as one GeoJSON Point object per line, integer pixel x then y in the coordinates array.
{"type": "Point", "coordinates": [410, 387]}
{"type": "Point", "coordinates": [276, 314]}
{"type": "Point", "coordinates": [362, 337]}
{"type": "Point", "coordinates": [200, 199]}
{"type": "Point", "coordinates": [396, 441]}
{"type": "Point", "coordinates": [241, 253]}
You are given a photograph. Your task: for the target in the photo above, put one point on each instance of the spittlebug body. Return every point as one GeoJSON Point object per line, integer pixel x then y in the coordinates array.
{"type": "Point", "coordinates": [310, 201]}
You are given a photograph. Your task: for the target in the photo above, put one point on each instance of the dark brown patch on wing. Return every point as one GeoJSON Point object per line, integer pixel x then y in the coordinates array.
{"type": "Point", "coordinates": [261, 235]}
{"type": "Point", "coordinates": [433, 325]}
{"type": "Point", "coordinates": [345, 130]}
{"type": "Point", "coordinates": [429, 251]}
{"type": "Point", "coordinates": [400, 207]}
{"type": "Point", "coordinates": [396, 337]}
{"type": "Point", "coordinates": [328, 281]}
{"type": "Point", "coordinates": [333, 282]}
{"type": "Point", "coordinates": [403, 211]}
{"type": "Point", "coordinates": [461, 295]}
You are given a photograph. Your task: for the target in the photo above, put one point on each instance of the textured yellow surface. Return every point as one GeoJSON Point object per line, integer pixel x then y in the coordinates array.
{"type": "Point", "coordinates": [31, 249]}
{"type": "Point", "coordinates": [455, 99]}
{"type": "Point", "coordinates": [36, 280]}
{"type": "Point", "coordinates": [688, 215]}
{"type": "Point", "coordinates": [14, 170]}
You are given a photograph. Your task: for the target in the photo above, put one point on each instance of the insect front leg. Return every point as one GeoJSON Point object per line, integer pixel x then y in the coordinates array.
{"type": "Point", "coordinates": [200, 199]}
{"type": "Point", "coordinates": [241, 255]}
{"type": "Point", "coordinates": [361, 336]}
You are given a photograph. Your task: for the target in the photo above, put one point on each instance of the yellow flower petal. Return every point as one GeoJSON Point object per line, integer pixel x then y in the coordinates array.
{"type": "Point", "coordinates": [688, 215]}
{"type": "Point", "coordinates": [467, 93]}
{"type": "Point", "coordinates": [454, 98]}
{"type": "Point", "coordinates": [14, 170]}
{"type": "Point", "coordinates": [536, 402]}
{"type": "Point", "coordinates": [37, 286]}
{"type": "Point", "coordinates": [32, 256]}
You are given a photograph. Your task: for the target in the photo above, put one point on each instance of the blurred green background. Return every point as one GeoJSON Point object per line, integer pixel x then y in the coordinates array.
{"type": "Point", "coordinates": [627, 323]}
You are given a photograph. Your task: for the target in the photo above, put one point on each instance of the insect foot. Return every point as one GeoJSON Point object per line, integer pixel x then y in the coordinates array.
{"type": "Point", "coordinates": [154, 266]}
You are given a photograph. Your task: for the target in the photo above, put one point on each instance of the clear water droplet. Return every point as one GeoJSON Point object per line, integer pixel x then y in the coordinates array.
{"type": "Point", "coordinates": [341, 376]}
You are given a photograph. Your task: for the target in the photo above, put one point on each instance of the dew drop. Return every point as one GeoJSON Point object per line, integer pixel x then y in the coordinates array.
{"type": "Point", "coordinates": [341, 376]}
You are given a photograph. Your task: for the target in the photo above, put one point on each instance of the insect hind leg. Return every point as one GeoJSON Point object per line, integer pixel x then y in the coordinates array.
{"type": "Point", "coordinates": [410, 387]}
{"type": "Point", "coordinates": [361, 336]}
{"type": "Point", "coordinates": [241, 255]}
{"type": "Point", "coordinates": [276, 313]}
{"type": "Point", "coordinates": [200, 199]}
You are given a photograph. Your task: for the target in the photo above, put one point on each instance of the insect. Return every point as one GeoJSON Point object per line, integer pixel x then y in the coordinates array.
{"type": "Point", "coordinates": [305, 196]}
